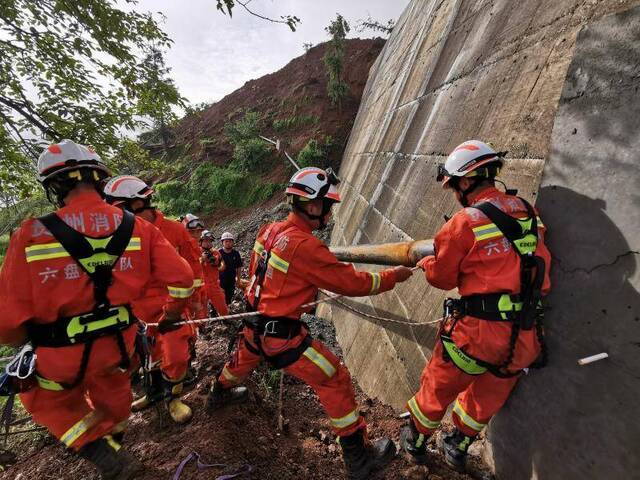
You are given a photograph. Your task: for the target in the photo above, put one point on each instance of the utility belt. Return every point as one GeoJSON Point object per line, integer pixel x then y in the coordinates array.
{"type": "Point", "coordinates": [495, 307]}
{"type": "Point", "coordinates": [83, 329]}
{"type": "Point", "coordinates": [277, 327]}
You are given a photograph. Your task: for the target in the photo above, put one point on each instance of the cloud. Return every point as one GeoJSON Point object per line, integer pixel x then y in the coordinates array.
{"type": "Point", "coordinates": [214, 55]}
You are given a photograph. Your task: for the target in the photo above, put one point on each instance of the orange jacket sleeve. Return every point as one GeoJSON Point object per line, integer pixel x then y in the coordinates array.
{"type": "Point", "coordinates": [16, 303]}
{"type": "Point", "coordinates": [317, 264]}
{"type": "Point", "coordinates": [452, 243]}
{"type": "Point", "coordinates": [169, 268]}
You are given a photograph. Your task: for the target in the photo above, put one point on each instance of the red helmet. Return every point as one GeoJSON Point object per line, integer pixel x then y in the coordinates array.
{"type": "Point", "coordinates": [313, 182]}
{"type": "Point", "coordinates": [466, 160]}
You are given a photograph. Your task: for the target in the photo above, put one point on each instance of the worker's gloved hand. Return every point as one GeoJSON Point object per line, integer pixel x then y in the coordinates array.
{"type": "Point", "coordinates": [422, 263]}
{"type": "Point", "coordinates": [168, 323]}
{"type": "Point", "coordinates": [402, 273]}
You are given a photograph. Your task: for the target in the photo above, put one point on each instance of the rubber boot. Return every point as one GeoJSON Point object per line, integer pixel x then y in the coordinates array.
{"type": "Point", "coordinates": [414, 443]}
{"type": "Point", "coordinates": [362, 457]}
{"type": "Point", "coordinates": [454, 447]}
{"type": "Point", "coordinates": [112, 461]}
{"type": "Point", "coordinates": [118, 431]}
{"type": "Point", "coordinates": [179, 411]}
{"type": "Point", "coordinates": [154, 391]}
{"type": "Point", "coordinates": [220, 397]}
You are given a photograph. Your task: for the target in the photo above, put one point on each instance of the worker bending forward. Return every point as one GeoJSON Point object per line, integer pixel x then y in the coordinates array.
{"type": "Point", "coordinates": [493, 251]}
{"type": "Point", "coordinates": [170, 350]}
{"type": "Point", "coordinates": [288, 266]}
{"type": "Point", "coordinates": [67, 286]}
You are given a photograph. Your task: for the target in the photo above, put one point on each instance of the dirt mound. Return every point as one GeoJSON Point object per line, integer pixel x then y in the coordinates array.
{"type": "Point", "coordinates": [294, 99]}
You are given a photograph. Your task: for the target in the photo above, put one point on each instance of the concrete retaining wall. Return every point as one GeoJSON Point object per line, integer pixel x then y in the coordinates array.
{"type": "Point", "coordinates": [556, 83]}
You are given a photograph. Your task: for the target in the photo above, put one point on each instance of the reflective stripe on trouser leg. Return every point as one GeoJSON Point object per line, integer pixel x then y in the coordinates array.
{"type": "Point", "coordinates": [79, 428]}
{"type": "Point", "coordinates": [321, 370]}
{"type": "Point", "coordinates": [466, 419]}
{"type": "Point", "coordinates": [422, 419]}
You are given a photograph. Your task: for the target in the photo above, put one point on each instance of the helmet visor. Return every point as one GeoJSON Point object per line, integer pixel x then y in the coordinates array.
{"type": "Point", "coordinates": [194, 224]}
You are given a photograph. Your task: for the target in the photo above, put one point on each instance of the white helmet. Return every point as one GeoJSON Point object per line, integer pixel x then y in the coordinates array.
{"type": "Point", "coordinates": [313, 182]}
{"type": "Point", "coordinates": [191, 222]}
{"type": "Point", "coordinates": [466, 159]}
{"type": "Point", "coordinates": [206, 235]}
{"type": "Point", "coordinates": [227, 236]}
{"type": "Point", "coordinates": [123, 188]}
{"type": "Point", "coordinates": [67, 156]}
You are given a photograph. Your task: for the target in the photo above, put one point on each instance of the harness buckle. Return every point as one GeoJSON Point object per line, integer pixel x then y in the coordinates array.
{"type": "Point", "coordinates": [270, 327]}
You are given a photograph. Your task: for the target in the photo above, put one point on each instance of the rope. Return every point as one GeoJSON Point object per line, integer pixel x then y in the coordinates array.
{"type": "Point", "coordinates": [330, 298]}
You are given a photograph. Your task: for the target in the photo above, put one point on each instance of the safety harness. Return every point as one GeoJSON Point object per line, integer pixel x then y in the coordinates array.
{"type": "Point", "coordinates": [277, 327]}
{"type": "Point", "coordinates": [97, 257]}
{"type": "Point", "coordinates": [523, 310]}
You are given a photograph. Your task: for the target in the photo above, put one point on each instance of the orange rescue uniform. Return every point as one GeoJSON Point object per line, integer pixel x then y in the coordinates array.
{"type": "Point", "coordinates": [214, 292]}
{"type": "Point", "coordinates": [473, 255]}
{"type": "Point", "coordinates": [40, 283]}
{"type": "Point", "coordinates": [300, 264]}
{"type": "Point", "coordinates": [172, 349]}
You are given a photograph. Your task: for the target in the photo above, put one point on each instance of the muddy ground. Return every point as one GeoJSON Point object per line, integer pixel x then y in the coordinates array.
{"type": "Point", "coordinates": [242, 434]}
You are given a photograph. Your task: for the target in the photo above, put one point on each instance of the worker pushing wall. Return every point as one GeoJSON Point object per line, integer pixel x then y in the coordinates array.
{"type": "Point", "coordinates": [496, 71]}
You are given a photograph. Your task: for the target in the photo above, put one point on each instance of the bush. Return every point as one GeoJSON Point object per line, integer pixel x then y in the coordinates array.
{"type": "Point", "coordinates": [315, 154]}
{"type": "Point", "coordinates": [249, 155]}
{"type": "Point", "coordinates": [211, 187]}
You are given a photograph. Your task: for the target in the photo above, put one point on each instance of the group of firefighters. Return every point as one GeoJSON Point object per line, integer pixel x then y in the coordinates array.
{"type": "Point", "coordinates": [107, 284]}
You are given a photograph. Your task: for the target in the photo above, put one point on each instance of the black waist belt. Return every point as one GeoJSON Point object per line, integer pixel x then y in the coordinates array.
{"type": "Point", "coordinates": [277, 327]}
{"type": "Point", "coordinates": [81, 328]}
{"type": "Point", "coordinates": [497, 307]}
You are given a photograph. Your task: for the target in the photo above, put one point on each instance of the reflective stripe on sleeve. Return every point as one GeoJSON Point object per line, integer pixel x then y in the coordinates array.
{"type": "Point", "coordinates": [258, 247]}
{"type": "Point", "coordinates": [179, 292]}
{"type": "Point", "coordinates": [198, 282]}
{"type": "Point", "coordinates": [421, 417]}
{"type": "Point", "coordinates": [75, 432]}
{"type": "Point", "coordinates": [278, 263]}
{"type": "Point", "coordinates": [466, 418]}
{"type": "Point", "coordinates": [346, 421]}
{"type": "Point", "coordinates": [320, 361]}
{"type": "Point", "coordinates": [375, 282]}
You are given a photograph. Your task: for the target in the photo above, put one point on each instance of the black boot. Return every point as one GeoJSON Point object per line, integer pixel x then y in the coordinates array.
{"type": "Point", "coordinates": [454, 447]}
{"type": "Point", "coordinates": [361, 457]}
{"type": "Point", "coordinates": [153, 386]}
{"type": "Point", "coordinates": [414, 443]}
{"type": "Point", "coordinates": [112, 461]}
{"type": "Point", "coordinates": [220, 397]}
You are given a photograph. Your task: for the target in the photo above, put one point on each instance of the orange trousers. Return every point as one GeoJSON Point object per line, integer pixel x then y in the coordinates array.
{"type": "Point", "coordinates": [91, 410]}
{"type": "Point", "coordinates": [317, 367]}
{"type": "Point", "coordinates": [215, 295]}
{"type": "Point", "coordinates": [173, 351]}
{"type": "Point", "coordinates": [477, 397]}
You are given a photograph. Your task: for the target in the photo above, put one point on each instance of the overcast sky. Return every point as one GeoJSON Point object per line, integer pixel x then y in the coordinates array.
{"type": "Point", "coordinates": [214, 55]}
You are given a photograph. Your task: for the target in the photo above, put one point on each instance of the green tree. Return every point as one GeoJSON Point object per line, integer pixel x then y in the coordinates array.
{"type": "Point", "coordinates": [158, 96]}
{"type": "Point", "coordinates": [71, 69]}
{"type": "Point", "coordinates": [337, 88]}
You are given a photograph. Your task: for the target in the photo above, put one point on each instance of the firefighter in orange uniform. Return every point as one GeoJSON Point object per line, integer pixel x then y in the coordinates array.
{"type": "Point", "coordinates": [212, 264]}
{"type": "Point", "coordinates": [67, 284]}
{"type": "Point", "coordinates": [493, 251]}
{"type": "Point", "coordinates": [171, 350]}
{"type": "Point", "coordinates": [288, 266]}
{"type": "Point", "coordinates": [195, 227]}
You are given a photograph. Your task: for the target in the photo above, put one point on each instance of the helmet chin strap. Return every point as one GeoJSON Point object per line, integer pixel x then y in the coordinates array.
{"type": "Point", "coordinates": [464, 194]}
{"type": "Point", "coordinates": [326, 208]}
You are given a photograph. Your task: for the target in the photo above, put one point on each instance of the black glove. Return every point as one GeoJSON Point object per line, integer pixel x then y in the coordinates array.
{"type": "Point", "coordinates": [165, 325]}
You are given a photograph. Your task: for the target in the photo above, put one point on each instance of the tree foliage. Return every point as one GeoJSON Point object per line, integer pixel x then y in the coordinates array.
{"type": "Point", "coordinates": [337, 88]}
{"type": "Point", "coordinates": [73, 69]}
{"type": "Point", "coordinates": [377, 26]}
{"type": "Point", "coordinates": [226, 6]}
